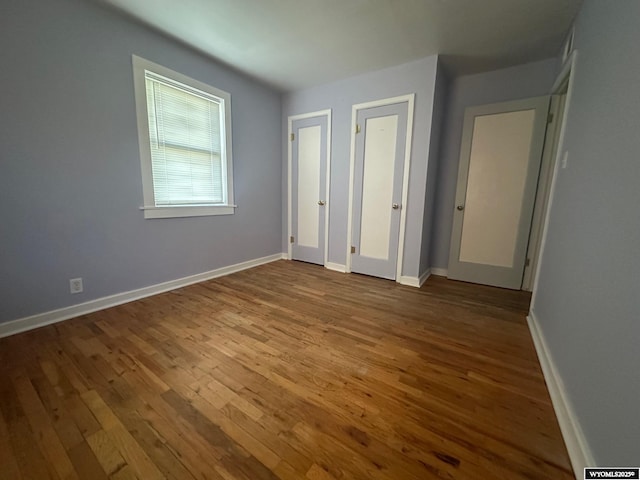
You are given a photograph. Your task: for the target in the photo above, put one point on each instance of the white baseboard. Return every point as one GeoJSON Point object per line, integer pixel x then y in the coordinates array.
{"type": "Point", "coordinates": [440, 272]}
{"type": "Point", "coordinates": [415, 281]}
{"type": "Point", "coordinates": [336, 267]}
{"type": "Point", "coordinates": [424, 276]}
{"type": "Point", "coordinates": [54, 316]}
{"type": "Point", "coordinates": [409, 281]}
{"type": "Point", "coordinates": [574, 439]}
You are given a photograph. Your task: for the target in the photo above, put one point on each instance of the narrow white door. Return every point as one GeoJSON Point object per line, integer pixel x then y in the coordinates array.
{"type": "Point", "coordinates": [380, 145]}
{"type": "Point", "coordinates": [308, 188]}
{"type": "Point", "coordinates": [499, 166]}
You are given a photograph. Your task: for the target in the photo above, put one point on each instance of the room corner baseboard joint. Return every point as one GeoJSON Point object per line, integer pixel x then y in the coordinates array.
{"type": "Point", "coordinates": [439, 272]}
{"type": "Point", "coordinates": [336, 267]}
{"type": "Point", "coordinates": [416, 282]}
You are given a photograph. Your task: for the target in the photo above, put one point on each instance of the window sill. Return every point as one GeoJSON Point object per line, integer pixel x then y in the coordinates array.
{"type": "Point", "coordinates": [188, 211]}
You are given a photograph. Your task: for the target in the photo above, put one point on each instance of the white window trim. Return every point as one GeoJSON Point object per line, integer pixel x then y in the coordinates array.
{"type": "Point", "coordinates": [150, 209]}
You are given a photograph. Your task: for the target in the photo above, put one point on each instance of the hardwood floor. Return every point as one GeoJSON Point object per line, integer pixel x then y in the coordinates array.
{"type": "Point", "coordinates": [284, 371]}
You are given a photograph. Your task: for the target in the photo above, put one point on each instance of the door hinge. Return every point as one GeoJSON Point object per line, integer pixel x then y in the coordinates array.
{"type": "Point", "coordinates": [293, 137]}
{"type": "Point", "coordinates": [357, 128]}
{"type": "Point", "coordinates": [550, 118]}
{"type": "Point", "coordinates": [353, 249]}
{"type": "Point", "coordinates": [292, 239]}
{"type": "Point", "coordinates": [527, 262]}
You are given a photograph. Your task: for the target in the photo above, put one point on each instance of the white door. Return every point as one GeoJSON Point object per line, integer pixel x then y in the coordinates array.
{"type": "Point", "coordinates": [499, 166]}
{"type": "Point", "coordinates": [309, 157]}
{"type": "Point", "coordinates": [380, 147]}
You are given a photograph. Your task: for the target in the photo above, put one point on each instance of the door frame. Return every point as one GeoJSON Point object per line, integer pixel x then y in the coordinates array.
{"type": "Point", "coordinates": [556, 111]}
{"type": "Point", "coordinates": [290, 120]}
{"type": "Point", "coordinates": [410, 100]}
{"type": "Point", "coordinates": [565, 79]}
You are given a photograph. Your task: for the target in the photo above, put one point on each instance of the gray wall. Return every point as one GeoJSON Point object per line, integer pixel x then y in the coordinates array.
{"type": "Point", "coordinates": [70, 182]}
{"type": "Point", "coordinates": [435, 150]}
{"type": "Point", "coordinates": [416, 77]}
{"type": "Point", "coordinates": [588, 300]}
{"type": "Point", "coordinates": [524, 81]}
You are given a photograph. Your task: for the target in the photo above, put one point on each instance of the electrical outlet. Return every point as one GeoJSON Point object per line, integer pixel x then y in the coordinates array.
{"type": "Point", "coordinates": [75, 285]}
{"type": "Point", "coordinates": [565, 160]}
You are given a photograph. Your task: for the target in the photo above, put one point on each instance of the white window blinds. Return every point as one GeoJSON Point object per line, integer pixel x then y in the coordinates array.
{"type": "Point", "coordinates": [186, 132]}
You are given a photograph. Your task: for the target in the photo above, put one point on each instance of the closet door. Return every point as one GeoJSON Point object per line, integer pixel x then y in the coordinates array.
{"type": "Point", "coordinates": [309, 188]}
{"type": "Point", "coordinates": [497, 178]}
{"type": "Point", "coordinates": [380, 145]}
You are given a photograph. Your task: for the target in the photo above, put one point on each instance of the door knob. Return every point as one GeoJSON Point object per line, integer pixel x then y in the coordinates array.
{"type": "Point", "coordinates": [321, 202]}
{"type": "Point", "coordinates": [395, 206]}
{"type": "Point", "coordinates": [460, 207]}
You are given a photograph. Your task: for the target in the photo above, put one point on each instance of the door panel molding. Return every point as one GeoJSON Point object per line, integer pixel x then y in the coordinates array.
{"type": "Point", "coordinates": [320, 113]}
{"type": "Point", "coordinates": [306, 188]}
{"type": "Point", "coordinates": [377, 186]}
{"type": "Point", "coordinates": [410, 101]}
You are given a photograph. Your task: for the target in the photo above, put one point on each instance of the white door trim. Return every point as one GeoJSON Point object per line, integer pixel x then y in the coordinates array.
{"type": "Point", "coordinates": [291, 119]}
{"type": "Point", "coordinates": [410, 99]}
{"type": "Point", "coordinates": [547, 165]}
{"type": "Point", "coordinates": [568, 72]}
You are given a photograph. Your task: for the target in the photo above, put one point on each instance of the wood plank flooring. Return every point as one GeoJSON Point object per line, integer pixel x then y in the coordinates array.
{"type": "Point", "coordinates": [286, 371]}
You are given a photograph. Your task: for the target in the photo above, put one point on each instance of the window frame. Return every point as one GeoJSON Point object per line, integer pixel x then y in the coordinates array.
{"type": "Point", "coordinates": [151, 210]}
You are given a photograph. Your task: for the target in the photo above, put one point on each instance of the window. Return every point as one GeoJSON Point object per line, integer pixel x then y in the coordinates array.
{"type": "Point", "coordinates": [184, 129]}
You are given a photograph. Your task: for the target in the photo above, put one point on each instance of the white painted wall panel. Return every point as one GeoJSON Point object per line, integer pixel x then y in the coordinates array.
{"type": "Point", "coordinates": [377, 197]}
{"type": "Point", "coordinates": [309, 151]}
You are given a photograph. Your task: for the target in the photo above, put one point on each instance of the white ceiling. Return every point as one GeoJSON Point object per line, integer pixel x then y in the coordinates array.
{"type": "Point", "coordinates": [293, 44]}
